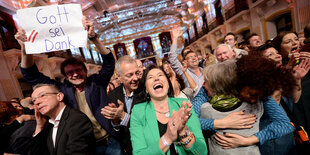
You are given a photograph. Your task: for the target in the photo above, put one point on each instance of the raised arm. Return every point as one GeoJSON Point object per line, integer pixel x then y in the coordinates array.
{"type": "Point", "coordinates": [27, 65]}
{"type": "Point", "coordinates": [88, 25]}
{"type": "Point", "coordinates": [299, 71]}
{"type": "Point", "coordinates": [280, 124]}
{"type": "Point", "coordinates": [26, 59]}
{"type": "Point", "coordinates": [173, 56]}
{"type": "Point", "coordinates": [191, 81]}
{"type": "Point", "coordinates": [108, 64]}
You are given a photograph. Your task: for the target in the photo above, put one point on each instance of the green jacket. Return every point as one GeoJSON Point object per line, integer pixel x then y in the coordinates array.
{"type": "Point", "coordinates": [144, 130]}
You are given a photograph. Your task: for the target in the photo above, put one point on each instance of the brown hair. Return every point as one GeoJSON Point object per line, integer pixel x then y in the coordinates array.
{"type": "Point", "coordinates": [276, 42]}
{"type": "Point", "coordinates": [260, 50]}
{"type": "Point", "coordinates": [143, 81]}
{"type": "Point", "coordinates": [71, 61]}
{"type": "Point", "coordinates": [230, 33]}
{"type": "Point", "coordinates": [7, 111]}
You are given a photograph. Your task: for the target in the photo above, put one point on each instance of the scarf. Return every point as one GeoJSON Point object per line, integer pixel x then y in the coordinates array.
{"type": "Point", "coordinates": [224, 101]}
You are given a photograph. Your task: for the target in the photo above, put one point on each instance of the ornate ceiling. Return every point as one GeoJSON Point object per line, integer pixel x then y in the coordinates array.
{"type": "Point", "coordinates": [118, 20]}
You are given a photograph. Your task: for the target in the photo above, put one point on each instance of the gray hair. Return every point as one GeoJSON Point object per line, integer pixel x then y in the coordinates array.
{"type": "Point", "coordinates": [222, 77]}
{"type": "Point", "coordinates": [121, 60]}
{"type": "Point", "coordinates": [221, 45]}
{"type": "Point", "coordinates": [53, 87]}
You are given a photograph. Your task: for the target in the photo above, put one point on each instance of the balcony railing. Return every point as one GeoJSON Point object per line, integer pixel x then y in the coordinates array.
{"type": "Point", "coordinates": [238, 7]}
{"type": "Point", "coordinates": [215, 23]}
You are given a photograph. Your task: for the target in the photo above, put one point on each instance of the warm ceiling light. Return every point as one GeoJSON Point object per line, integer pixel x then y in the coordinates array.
{"type": "Point", "coordinates": [189, 4]}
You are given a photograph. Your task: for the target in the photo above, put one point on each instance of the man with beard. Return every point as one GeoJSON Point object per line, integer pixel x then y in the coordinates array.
{"type": "Point", "coordinates": [88, 94]}
{"type": "Point", "coordinates": [123, 98]}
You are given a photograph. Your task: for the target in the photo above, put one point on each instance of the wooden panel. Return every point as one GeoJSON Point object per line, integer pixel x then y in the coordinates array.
{"type": "Point", "coordinates": [8, 88]}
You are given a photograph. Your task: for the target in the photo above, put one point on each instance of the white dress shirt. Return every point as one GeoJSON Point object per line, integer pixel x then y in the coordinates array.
{"type": "Point", "coordinates": [56, 123]}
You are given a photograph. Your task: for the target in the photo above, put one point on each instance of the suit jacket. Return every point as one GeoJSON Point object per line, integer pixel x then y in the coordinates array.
{"type": "Point", "coordinates": [5, 132]}
{"type": "Point", "coordinates": [74, 136]}
{"type": "Point", "coordinates": [19, 141]}
{"type": "Point", "coordinates": [145, 133]}
{"type": "Point", "coordinates": [118, 94]}
{"type": "Point", "coordinates": [95, 89]}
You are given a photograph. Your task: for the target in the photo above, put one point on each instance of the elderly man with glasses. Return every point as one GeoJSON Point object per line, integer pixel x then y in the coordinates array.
{"type": "Point", "coordinates": [68, 131]}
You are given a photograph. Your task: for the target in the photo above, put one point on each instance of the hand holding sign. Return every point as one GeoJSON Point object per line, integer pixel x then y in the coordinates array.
{"type": "Point", "coordinates": [88, 26]}
{"type": "Point", "coordinates": [21, 37]}
{"type": "Point", "coordinates": [52, 28]}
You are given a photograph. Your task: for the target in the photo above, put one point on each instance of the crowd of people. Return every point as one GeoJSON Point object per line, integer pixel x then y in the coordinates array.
{"type": "Point", "coordinates": [247, 99]}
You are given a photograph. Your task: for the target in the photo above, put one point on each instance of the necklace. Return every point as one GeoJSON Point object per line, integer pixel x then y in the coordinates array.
{"type": "Point", "coordinates": [167, 114]}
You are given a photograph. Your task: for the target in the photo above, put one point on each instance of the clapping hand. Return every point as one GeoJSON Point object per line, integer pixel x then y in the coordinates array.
{"type": "Point", "coordinates": [177, 123]}
{"type": "Point", "coordinates": [113, 112]}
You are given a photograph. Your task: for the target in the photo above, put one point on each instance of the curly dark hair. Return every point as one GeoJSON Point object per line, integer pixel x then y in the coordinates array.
{"type": "Point", "coordinates": [7, 111]}
{"type": "Point", "coordinates": [143, 81]}
{"type": "Point", "coordinates": [263, 75]}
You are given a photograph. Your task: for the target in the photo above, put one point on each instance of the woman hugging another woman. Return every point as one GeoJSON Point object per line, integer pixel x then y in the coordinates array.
{"type": "Point", "coordinates": [245, 85]}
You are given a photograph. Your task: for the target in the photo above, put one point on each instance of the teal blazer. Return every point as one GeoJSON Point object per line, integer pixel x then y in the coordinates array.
{"type": "Point", "coordinates": [144, 130]}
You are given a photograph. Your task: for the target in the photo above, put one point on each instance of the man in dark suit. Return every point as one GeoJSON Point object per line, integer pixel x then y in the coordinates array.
{"type": "Point", "coordinates": [68, 132]}
{"type": "Point", "coordinates": [130, 75]}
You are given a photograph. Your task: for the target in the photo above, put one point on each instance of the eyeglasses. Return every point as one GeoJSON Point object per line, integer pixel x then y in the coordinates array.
{"type": "Point", "coordinates": [42, 96]}
{"type": "Point", "coordinates": [70, 73]}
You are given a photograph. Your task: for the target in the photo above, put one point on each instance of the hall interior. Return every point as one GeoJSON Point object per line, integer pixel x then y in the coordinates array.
{"type": "Point", "coordinates": [141, 29]}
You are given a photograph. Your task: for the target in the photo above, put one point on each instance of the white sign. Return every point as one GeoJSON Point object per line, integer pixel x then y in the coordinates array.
{"type": "Point", "coordinates": [53, 28]}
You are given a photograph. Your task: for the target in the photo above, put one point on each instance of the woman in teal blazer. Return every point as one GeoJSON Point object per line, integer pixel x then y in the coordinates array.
{"type": "Point", "coordinates": [152, 128]}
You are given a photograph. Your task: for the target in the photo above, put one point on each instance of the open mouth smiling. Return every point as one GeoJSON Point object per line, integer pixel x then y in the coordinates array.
{"type": "Point", "coordinates": [158, 86]}
{"type": "Point", "coordinates": [294, 49]}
